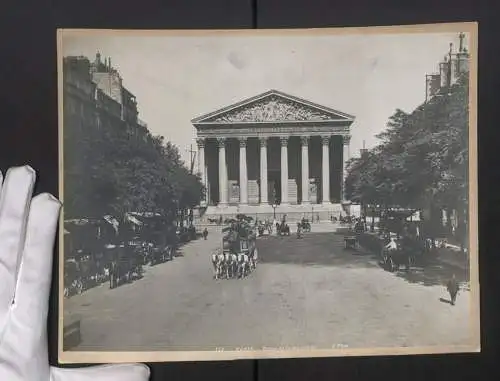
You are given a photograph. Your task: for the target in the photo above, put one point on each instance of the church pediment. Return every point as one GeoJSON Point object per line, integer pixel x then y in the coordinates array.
{"type": "Point", "coordinates": [272, 106]}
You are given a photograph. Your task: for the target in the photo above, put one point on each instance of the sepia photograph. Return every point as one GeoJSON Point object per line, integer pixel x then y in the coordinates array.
{"type": "Point", "coordinates": [252, 194]}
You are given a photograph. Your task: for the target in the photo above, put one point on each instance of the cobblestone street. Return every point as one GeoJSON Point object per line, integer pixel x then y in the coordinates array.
{"type": "Point", "coordinates": [304, 292]}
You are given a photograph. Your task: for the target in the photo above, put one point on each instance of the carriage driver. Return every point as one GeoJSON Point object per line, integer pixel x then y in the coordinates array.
{"type": "Point", "coordinates": [392, 245]}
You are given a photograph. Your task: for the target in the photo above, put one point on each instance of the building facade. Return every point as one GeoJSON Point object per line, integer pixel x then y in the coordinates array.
{"type": "Point", "coordinates": [273, 151]}
{"type": "Point", "coordinates": [94, 96]}
{"type": "Point", "coordinates": [454, 64]}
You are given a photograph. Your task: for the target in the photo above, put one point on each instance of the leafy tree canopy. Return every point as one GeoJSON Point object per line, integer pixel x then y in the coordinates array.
{"type": "Point", "coordinates": [115, 170]}
{"type": "Point", "coordinates": [422, 156]}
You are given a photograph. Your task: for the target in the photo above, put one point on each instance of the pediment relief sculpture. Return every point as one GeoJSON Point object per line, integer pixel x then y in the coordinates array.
{"type": "Point", "coordinates": [273, 109]}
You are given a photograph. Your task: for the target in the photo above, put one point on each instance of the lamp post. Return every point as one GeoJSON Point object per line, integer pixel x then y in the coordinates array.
{"type": "Point", "coordinates": [274, 204]}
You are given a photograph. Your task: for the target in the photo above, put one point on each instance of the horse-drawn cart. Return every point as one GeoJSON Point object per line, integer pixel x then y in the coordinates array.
{"type": "Point", "coordinates": [155, 239]}
{"type": "Point", "coordinates": [125, 265]}
{"type": "Point", "coordinates": [351, 241]}
{"type": "Point", "coordinates": [282, 229]}
{"type": "Point", "coordinates": [84, 253]}
{"type": "Point", "coordinates": [305, 225]}
{"type": "Point", "coordinates": [403, 252]}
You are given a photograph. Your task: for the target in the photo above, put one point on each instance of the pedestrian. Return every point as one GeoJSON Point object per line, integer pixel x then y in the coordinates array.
{"type": "Point", "coordinates": [299, 230]}
{"type": "Point", "coordinates": [453, 287]}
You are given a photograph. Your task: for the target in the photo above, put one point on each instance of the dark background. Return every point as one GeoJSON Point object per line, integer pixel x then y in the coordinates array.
{"type": "Point", "coordinates": [28, 135]}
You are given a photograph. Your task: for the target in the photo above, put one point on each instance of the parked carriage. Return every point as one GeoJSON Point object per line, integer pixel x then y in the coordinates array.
{"type": "Point", "coordinates": [351, 241]}
{"type": "Point", "coordinates": [72, 278]}
{"type": "Point", "coordinates": [155, 237]}
{"type": "Point", "coordinates": [85, 260]}
{"type": "Point", "coordinates": [393, 259]}
{"type": "Point", "coordinates": [407, 252]}
{"type": "Point", "coordinates": [351, 236]}
{"type": "Point", "coordinates": [124, 265]}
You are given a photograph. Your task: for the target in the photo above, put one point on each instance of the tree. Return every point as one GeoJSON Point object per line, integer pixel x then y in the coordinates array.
{"type": "Point", "coordinates": [422, 158]}
{"type": "Point", "coordinates": [115, 169]}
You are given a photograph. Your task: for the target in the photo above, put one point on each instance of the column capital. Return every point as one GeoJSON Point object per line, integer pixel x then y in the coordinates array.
{"type": "Point", "coordinates": [221, 141]}
{"type": "Point", "coordinates": [200, 142]}
{"type": "Point", "coordinates": [284, 140]}
{"type": "Point", "coordinates": [325, 139]}
{"type": "Point", "coordinates": [346, 139]}
{"type": "Point", "coordinates": [243, 141]}
{"type": "Point", "coordinates": [304, 140]}
{"type": "Point", "coordinates": [263, 141]}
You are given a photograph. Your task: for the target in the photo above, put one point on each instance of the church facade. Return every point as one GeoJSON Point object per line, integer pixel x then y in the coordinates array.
{"type": "Point", "coordinates": [273, 152]}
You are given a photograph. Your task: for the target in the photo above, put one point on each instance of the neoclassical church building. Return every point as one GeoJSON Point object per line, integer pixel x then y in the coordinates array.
{"type": "Point", "coordinates": [273, 152]}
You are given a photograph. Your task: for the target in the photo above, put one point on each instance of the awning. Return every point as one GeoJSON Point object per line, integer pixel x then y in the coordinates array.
{"type": "Point", "coordinates": [113, 221]}
{"type": "Point", "coordinates": [131, 218]}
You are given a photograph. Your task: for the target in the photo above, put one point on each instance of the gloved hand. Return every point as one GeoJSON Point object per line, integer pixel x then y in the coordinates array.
{"type": "Point", "coordinates": [27, 232]}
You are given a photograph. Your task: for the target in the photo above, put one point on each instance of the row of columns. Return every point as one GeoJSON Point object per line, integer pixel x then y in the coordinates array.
{"type": "Point", "coordinates": [223, 181]}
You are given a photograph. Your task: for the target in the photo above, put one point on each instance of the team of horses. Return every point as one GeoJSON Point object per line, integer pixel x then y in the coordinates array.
{"type": "Point", "coordinates": [231, 265]}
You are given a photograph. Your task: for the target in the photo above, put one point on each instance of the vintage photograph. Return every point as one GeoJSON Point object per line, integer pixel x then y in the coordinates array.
{"type": "Point", "coordinates": [267, 193]}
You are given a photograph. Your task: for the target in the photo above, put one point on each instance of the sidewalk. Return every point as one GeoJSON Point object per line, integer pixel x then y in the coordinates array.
{"type": "Point", "coordinates": [453, 257]}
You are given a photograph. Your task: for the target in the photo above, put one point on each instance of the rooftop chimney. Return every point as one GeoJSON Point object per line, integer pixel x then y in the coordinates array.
{"type": "Point", "coordinates": [461, 36]}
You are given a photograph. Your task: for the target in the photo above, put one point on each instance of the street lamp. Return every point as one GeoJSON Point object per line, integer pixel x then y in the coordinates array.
{"type": "Point", "coordinates": [274, 204]}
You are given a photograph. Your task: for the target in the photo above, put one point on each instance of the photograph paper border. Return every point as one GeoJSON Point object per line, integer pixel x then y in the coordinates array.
{"type": "Point", "coordinates": [76, 357]}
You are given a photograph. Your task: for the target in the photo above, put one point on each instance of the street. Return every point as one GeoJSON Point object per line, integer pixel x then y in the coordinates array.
{"type": "Point", "coordinates": [304, 292]}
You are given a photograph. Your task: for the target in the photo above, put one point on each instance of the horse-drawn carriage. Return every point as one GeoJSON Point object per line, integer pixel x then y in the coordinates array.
{"type": "Point", "coordinates": [351, 241]}
{"type": "Point", "coordinates": [282, 228]}
{"type": "Point", "coordinates": [305, 225]}
{"type": "Point", "coordinates": [155, 239]}
{"type": "Point", "coordinates": [401, 252]}
{"type": "Point", "coordinates": [85, 261]}
{"type": "Point", "coordinates": [73, 283]}
{"type": "Point", "coordinates": [264, 227]}
{"type": "Point", "coordinates": [239, 254]}
{"type": "Point", "coordinates": [125, 266]}
{"type": "Point", "coordinates": [351, 237]}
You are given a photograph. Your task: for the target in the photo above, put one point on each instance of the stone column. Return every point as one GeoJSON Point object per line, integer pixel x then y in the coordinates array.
{"type": "Point", "coordinates": [201, 166]}
{"type": "Point", "coordinates": [243, 172]}
{"type": "Point", "coordinates": [305, 169]}
{"type": "Point", "coordinates": [223, 191]}
{"type": "Point", "coordinates": [263, 170]}
{"type": "Point", "coordinates": [284, 170]}
{"type": "Point", "coordinates": [345, 158]}
{"type": "Point", "coordinates": [325, 176]}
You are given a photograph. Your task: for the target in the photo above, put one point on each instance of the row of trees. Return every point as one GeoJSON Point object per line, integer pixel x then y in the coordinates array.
{"type": "Point", "coordinates": [422, 159]}
{"type": "Point", "coordinates": [114, 169]}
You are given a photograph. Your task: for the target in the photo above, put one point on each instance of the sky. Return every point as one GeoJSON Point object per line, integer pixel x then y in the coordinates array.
{"type": "Point", "coordinates": [177, 78]}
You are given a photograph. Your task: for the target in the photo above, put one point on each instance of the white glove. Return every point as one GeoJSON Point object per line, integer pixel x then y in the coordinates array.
{"type": "Point", "coordinates": [27, 233]}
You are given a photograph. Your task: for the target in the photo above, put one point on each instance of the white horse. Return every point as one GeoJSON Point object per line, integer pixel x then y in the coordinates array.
{"type": "Point", "coordinates": [218, 264]}
{"type": "Point", "coordinates": [243, 265]}
{"type": "Point", "coordinates": [231, 264]}
{"type": "Point", "coordinates": [254, 259]}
